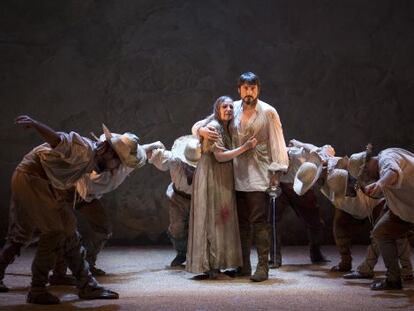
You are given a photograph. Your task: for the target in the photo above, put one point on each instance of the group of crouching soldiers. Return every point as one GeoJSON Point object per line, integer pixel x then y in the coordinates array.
{"type": "Point", "coordinates": [70, 172]}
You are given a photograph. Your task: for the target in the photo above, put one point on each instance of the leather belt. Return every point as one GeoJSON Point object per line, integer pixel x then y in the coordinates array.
{"type": "Point", "coordinates": [181, 193]}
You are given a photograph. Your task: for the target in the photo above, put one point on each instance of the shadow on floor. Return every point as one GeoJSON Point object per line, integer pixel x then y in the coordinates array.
{"type": "Point", "coordinates": [406, 294]}
{"type": "Point", "coordinates": [61, 307]}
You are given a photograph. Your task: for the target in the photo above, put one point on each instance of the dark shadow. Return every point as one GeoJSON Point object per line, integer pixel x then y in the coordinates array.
{"type": "Point", "coordinates": [244, 280]}
{"type": "Point", "coordinates": [126, 274]}
{"type": "Point", "coordinates": [176, 272]}
{"type": "Point", "coordinates": [407, 294]}
{"type": "Point", "coordinates": [363, 283]}
{"type": "Point", "coordinates": [180, 267]}
{"type": "Point", "coordinates": [301, 267]}
{"type": "Point", "coordinates": [61, 307]}
{"type": "Point", "coordinates": [148, 271]}
{"type": "Point", "coordinates": [327, 274]}
{"type": "Point", "coordinates": [19, 274]}
{"type": "Point", "coordinates": [293, 267]}
{"type": "Point", "coordinates": [68, 296]}
{"type": "Point", "coordinates": [19, 289]}
{"type": "Point", "coordinates": [111, 307]}
{"type": "Point", "coordinates": [330, 275]}
{"type": "Point", "coordinates": [117, 278]}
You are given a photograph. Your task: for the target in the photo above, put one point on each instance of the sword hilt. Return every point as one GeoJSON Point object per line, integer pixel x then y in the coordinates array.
{"type": "Point", "coordinates": [274, 191]}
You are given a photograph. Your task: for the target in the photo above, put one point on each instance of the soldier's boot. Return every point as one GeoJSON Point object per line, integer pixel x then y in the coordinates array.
{"type": "Point", "coordinates": [315, 254]}
{"type": "Point", "coordinates": [59, 275]}
{"type": "Point", "coordinates": [39, 295]}
{"type": "Point", "coordinates": [87, 285]}
{"type": "Point", "coordinates": [97, 271]}
{"type": "Point", "coordinates": [180, 245]}
{"type": "Point", "coordinates": [94, 245]}
{"type": "Point", "coordinates": [8, 254]}
{"type": "Point", "coordinates": [92, 290]}
{"type": "Point", "coordinates": [3, 287]}
{"type": "Point", "coordinates": [246, 244]}
{"type": "Point", "coordinates": [262, 241]}
{"type": "Point", "coordinates": [49, 246]}
{"type": "Point", "coordinates": [344, 248]}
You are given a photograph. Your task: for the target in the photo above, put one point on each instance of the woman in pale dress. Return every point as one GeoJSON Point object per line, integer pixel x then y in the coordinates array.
{"type": "Point", "coordinates": [214, 240]}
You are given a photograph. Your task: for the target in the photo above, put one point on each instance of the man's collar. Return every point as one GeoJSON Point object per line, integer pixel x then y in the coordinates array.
{"type": "Point", "coordinates": [255, 107]}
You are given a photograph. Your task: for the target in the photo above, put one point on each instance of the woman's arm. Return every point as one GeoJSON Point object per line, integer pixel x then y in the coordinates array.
{"type": "Point", "coordinates": [223, 155]}
{"type": "Point", "coordinates": [49, 135]}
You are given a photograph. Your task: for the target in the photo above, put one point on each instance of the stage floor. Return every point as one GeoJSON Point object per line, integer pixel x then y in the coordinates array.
{"type": "Point", "coordinates": [144, 281]}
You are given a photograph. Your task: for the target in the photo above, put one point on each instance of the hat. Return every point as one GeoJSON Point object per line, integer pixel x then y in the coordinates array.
{"type": "Point", "coordinates": [356, 163]}
{"type": "Point", "coordinates": [308, 174]}
{"type": "Point", "coordinates": [337, 162]}
{"type": "Point", "coordinates": [187, 148]}
{"type": "Point", "coordinates": [325, 152]}
{"type": "Point", "coordinates": [337, 181]}
{"type": "Point", "coordinates": [333, 163]}
{"type": "Point", "coordinates": [126, 147]}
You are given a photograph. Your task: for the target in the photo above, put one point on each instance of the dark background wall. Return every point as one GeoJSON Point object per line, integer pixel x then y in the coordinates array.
{"type": "Point", "coordinates": [338, 72]}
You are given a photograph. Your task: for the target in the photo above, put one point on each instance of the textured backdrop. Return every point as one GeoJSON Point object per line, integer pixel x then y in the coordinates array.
{"type": "Point", "coordinates": [338, 72]}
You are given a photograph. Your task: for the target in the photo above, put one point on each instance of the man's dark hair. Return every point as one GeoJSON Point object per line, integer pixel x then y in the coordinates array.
{"type": "Point", "coordinates": [248, 77]}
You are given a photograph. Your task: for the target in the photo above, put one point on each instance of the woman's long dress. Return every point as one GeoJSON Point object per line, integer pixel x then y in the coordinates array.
{"type": "Point", "coordinates": [214, 240]}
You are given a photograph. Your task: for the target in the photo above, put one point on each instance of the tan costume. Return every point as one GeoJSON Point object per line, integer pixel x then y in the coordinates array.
{"type": "Point", "coordinates": [399, 220]}
{"type": "Point", "coordinates": [252, 178]}
{"type": "Point", "coordinates": [214, 241]}
{"type": "Point", "coordinates": [179, 196]}
{"type": "Point", "coordinates": [39, 203]}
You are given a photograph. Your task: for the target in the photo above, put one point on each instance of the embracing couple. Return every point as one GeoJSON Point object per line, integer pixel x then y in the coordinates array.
{"type": "Point", "coordinates": [229, 208]}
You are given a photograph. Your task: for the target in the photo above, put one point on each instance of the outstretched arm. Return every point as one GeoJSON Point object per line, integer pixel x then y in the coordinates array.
{"type": "Point", "coordinates": [50, 135]}
{"type": "Point", "coordinates": [297, 143]}
{"type": "Point", "coordinates": [149, 148]}
{"type": "Point", "coordinates": [162, 159]}
{"type": "Point", "coordinates": [223, 155]}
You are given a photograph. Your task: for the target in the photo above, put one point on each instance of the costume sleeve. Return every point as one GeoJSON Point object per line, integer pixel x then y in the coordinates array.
{"type": "Point", "coordinates": [220, 142]}
{"type": "Point", "coordinates": [391, 161]}
{"type": "Point", "coordinates": [69, 160]}
{"type": "Point", "coordinates": [196, 126]}
{"type": "Point", "coordinates": [277, 142]}
{"type": "Point", "coordinates": [162, 159]}
{"type": "Point", "coordinates": [93, 186]}
{"type": "Point", "coordinates": [209, 145]}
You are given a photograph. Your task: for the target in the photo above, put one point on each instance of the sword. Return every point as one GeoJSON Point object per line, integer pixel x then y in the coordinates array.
{"type": "Point", "coordinates": [273, 191]}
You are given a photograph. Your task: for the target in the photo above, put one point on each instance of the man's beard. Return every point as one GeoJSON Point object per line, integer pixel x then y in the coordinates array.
{"type": "Point", "coordinates": [249, 100]}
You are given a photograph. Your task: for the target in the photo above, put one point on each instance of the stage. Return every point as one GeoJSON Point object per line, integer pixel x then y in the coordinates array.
{"type": "Point", "coordinates": [144, 281]}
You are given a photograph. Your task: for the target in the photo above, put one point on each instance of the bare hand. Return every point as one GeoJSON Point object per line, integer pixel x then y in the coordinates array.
{"type": "Point", "coordinates": [250, 143]}
{"type": "Point", "coordinates": [209, 132]}
{"type": "Point", "coordinates": [149, 154]}
{"type": "Point", "coordinates": [153, 146]}
{"type": "Point", "coordinates": [374, 189]}
{"type": "Point", "coordinates": [25, 121]}
{"type": "Point", "coordinates": [157, 145]}
{"type": "Point", "coordinates": [292, 143]}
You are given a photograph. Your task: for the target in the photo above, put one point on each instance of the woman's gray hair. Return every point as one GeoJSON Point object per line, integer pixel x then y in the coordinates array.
{"type": "Point", "coordinates": [217, 104]}
{"type": "Point", "coordinates": [216, 110]}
